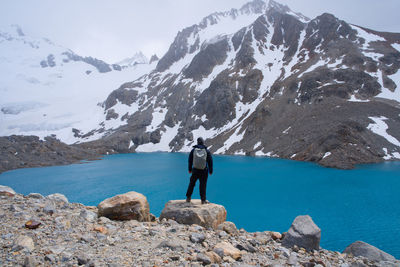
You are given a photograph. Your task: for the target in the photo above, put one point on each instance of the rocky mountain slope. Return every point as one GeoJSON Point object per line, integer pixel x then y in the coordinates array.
{"type": "Point", "coordinates": [263, 80]}
{"type": "Point", "coordinates": [48, 89]}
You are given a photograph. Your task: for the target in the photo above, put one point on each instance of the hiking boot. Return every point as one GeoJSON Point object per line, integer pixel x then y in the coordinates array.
{"type": "Point", "coordinates": [205, 202]}
{"type": "Point", "coordinates": [188, 199]}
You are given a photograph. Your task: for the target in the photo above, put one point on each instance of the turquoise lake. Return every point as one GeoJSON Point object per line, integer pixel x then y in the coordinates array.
{"type": "Point", "coordinates": [259, 194]}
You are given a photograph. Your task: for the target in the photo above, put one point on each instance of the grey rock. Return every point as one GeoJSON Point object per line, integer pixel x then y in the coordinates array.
{"type": "Point", "coordinates": [175, 246]}
{"type": "Point", "coordinates": [87, 238]}
{"type": "Point", "coordinates": [360, 248]}
{"type": "Point", "coordinates": [14, 208]}
{"type": "Point", "coordinates": [82, 259]}
{"type": "Point", "coordinates": [49, 209]}
{"type": "Point", "coordinates": [50, 258]}
{"type": "Point", "coordinates": [303, 233]}
{"type": "Point", "coordinates": [174, 258]}
{"type": "Point", "coordinates": [35, 196]}
{"type": "Point", "coordinates": [65, 257]}
{"type": "Point", "coordinates": [246, 247]}
{"type": "Point", "coordinates": [285, 252]}
{"type": "Point", "coordinates": [222, 234]}
{"type": "Point", "coordinates": [106, 220]}
{"type": "Point", "coordinates": [219, 251]}
{"type": "Point", "coordinates": [58, 198]}
{"type": "Point", "coordinates": [293, 259]}
{"type": "Point", "coordinates": [88, 215]}
{"type": "Point", "coordinates": [29, 262]}
{"type": "Point", "coordinates": [357, 264]}
{"type": "Point", "coordinates": [197, 237]}
{"type": "Point", "coordinates": [7, 236]}
{"type": "Point", "coordinates": [203, 259]}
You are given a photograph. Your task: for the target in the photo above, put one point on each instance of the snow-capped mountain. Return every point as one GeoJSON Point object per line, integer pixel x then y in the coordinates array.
{"type": "Point", "coordinates": [138, 58]}
{"type": "Point", "coordinates": [264, 80]}
{"type": "Point", "coordinates": [48, 89]}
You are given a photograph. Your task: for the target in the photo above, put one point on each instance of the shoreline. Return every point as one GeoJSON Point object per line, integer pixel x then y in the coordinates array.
{"type": "Point", "coordinates": [30, 152]}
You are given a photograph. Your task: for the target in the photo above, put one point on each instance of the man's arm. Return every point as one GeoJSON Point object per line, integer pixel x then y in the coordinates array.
{"type": "Point", "coordinates": [209, 162]}
{"type": "Point", "coordinates": [190, 161]}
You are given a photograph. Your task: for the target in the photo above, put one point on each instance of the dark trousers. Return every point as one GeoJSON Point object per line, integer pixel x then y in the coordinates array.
{"type": "Point", "coordinates": [202, 176]}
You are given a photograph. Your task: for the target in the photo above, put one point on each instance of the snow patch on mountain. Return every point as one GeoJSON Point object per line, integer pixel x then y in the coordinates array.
{"type": "Point", "coordinates": [206, 82]}
{"type": "Point", "coordinates": [225, 26]}
{"type": "Point", "coordinates": [368, 37]}
{"type": "Point", "coordinates": [379, 127]}
{"type": "Point", "coordinates": [396, 46]}
{"type": "Point", "coordinates": [392, 95]}
{"type": "Point", "coordinates": [163, 145]}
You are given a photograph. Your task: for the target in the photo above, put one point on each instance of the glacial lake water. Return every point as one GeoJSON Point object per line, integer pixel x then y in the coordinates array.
{"type": "Point", "coordinates": [259, 193]}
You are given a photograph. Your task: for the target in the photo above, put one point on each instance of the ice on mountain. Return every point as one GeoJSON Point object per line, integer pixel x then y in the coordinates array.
{"type": "Point", "coordinates": [16, 108]}
{"type": "Point", "coordinates": [44, 126]}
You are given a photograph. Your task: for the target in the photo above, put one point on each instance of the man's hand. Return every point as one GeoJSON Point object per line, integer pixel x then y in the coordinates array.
{"type": "Point", "coordinates": [190, 171]}
{"type": "Point", "coordinates": [211, 173]}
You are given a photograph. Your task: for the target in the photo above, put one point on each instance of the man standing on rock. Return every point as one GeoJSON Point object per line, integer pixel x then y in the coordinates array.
{"type": "Point", "coordinates": [200, 164]}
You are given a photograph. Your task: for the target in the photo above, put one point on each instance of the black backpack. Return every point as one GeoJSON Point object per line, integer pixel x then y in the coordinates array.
{"type": "Point", "coordinates": [200, 158]}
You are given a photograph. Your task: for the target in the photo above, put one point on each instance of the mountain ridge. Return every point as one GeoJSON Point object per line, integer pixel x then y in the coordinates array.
{"type": "Point", "coordinates": [245, 92]}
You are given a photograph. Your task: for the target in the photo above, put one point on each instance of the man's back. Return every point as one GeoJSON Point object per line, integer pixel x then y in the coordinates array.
{"type": "Point", "coordinates": [200, 164]}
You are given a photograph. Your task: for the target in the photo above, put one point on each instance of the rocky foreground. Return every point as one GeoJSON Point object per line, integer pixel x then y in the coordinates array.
{"type": "Point", "coordinates": [50, 231]}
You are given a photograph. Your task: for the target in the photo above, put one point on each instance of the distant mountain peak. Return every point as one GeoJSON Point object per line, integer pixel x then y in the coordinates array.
{"type": "Point", "coordinates": [137, 58]}
{"type": "Point", "coordinates": [154, 58]}
{"type": "Point", "coordinates": [255, 7]}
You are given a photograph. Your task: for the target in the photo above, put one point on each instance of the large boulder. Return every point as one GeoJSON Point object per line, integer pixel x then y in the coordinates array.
{"type": "Point", "coordinates": [303, 233]}
{"type": "Point", "coordinates": [207, 215]}
{"type": "Point", "coordinates": [6, 191]}
{"type": "Point", "coordinates": [128, 206]}
{"type": "Point", "coordinates": [372, 253]}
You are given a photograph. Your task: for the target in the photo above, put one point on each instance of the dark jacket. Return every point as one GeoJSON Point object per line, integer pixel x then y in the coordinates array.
{"type": "Point", "coordinates": [209, 159]}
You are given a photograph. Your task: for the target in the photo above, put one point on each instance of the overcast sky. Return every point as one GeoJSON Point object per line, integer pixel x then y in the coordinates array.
{"type": "Point", "coordinates": [114, 30]}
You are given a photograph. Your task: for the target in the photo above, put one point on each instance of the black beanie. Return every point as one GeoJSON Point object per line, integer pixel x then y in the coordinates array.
{"type": "Point", "coordinates": [200, 141]}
